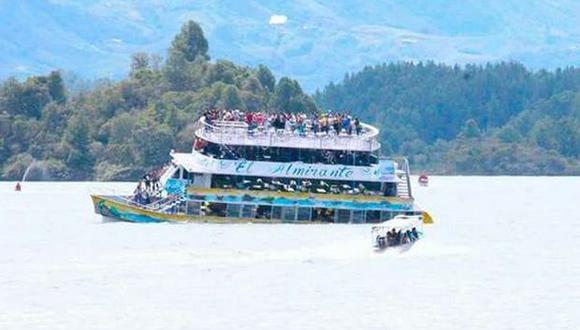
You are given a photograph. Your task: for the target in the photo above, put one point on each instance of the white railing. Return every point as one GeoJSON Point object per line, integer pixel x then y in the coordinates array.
{"type": "Point", "coordinates": [238, 133]}
{"type": "Point", "coordinates": [408, 175]}
{"type": "Point", "coordinates": [159, 205]}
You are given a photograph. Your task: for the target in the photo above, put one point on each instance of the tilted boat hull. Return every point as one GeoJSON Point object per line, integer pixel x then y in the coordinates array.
{"type": "Point", "coordinates": [114, 208]}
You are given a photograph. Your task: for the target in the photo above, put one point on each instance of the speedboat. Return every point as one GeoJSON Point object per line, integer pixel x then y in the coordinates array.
{"type": "Point", "coordinates": [401, 231]}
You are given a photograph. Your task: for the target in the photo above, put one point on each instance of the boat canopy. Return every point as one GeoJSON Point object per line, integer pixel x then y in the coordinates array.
{"type": "Point", "coordinates": [400, 222]}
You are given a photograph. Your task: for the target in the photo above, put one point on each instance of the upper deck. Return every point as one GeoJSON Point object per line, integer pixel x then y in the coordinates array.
{"type": "Point", "coordinates": [240, 133]}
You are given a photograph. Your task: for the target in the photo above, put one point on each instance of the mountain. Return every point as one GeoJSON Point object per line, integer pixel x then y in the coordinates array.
{"type": "Point", "coordinates": [320, 41]}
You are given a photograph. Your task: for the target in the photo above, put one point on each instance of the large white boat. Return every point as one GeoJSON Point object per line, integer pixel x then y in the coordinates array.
{"type": "Point", "coordinates": [271, 171]}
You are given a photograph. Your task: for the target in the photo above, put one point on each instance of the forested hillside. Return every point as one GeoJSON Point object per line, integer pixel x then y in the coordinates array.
{"type": "Point", "coordinates": [493, 119]}
{"type": "Point", "coordinates": [119, 130]}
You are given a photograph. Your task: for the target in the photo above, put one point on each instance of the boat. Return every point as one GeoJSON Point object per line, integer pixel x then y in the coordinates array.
{"type": "Point", "coordinates": [282, 169]}
{"type": "Point", "coordinates": [423, 180]}
{"type": "Point", "coordinates": [400, 232]}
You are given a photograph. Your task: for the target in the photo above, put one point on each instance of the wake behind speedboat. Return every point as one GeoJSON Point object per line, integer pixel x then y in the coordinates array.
{"type": "Point", "coordinates": [400, 232]}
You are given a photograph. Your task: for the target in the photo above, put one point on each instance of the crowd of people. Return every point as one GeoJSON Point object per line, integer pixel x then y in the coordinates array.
{"type": "Point", "coordinates": [397, 237]}
{"type": "Point", "coordinates": [329, 123]}
{"type": "Point", "coordinates": [305, 186]}
{"type": "Point", "coordinates": [149, 187]}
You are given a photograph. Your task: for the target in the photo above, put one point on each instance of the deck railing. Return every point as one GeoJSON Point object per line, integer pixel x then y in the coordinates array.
{"type": "Point", "coordinates": [159, 205]}
{"type": "Point", "coordinates": [408, 175]}
{"type": "Point", "coordinates": [239, 133]}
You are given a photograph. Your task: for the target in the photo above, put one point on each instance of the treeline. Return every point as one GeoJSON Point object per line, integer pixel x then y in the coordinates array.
{"type": "Point", "coordinates": [493, 119]}
{"type": "Point", "coordinates": [119, 130]}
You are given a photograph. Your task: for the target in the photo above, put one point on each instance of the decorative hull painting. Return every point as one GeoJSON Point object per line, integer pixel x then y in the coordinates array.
{"type": "Point", "coordinates": [119, 208]}
{"type": "Point", "coordinates": [107, 207]}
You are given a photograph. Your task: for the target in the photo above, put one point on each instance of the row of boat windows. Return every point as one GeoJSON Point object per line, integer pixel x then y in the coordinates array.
{"type": "Point", "coordinates": [289, 213]}
{"type": "Point", "coordinates": [280, 154]}
{"type": "Point", "coordinates": [297, 185]}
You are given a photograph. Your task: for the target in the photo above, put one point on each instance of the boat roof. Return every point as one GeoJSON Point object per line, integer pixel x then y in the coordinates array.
{"type": "Point", "coordinates": [400, 221]}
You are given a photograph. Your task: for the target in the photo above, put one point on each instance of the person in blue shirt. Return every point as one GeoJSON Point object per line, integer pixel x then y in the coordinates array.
{"type": "Point", "coordinates": [415, 233]}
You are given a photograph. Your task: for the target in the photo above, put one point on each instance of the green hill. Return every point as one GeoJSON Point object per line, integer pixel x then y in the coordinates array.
{"type": "Point", "coordinates": [493, 119]}
{"type": "Point", "coordinates": [119, 130]}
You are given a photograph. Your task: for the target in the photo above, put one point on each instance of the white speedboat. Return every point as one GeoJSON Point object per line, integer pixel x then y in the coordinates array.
{"type": "Point", "coordinates": [401, 231]}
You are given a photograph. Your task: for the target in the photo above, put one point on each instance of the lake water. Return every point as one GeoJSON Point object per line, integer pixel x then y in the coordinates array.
{"type": "Point", "coordinates": [504, 253]}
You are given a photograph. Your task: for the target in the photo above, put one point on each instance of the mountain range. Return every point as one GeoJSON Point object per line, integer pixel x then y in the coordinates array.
{"type": "Point", "coordinates": [319, 42]}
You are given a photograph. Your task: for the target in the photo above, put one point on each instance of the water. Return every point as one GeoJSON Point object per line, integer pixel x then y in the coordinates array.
{"type": "Point", "coordinates": [504, 253]}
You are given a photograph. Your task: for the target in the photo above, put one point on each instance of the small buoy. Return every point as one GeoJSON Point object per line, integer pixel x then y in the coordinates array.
{"type": "Point", "coordinates": [423, 180]}
{"type": "Point", "coordinates": [18, 187]}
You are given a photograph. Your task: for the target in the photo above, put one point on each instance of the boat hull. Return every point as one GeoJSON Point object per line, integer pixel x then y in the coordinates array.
{"type": "Point", "coordinates": [121, 208]}
{"type": "Point", "coordinates": [114, 208]}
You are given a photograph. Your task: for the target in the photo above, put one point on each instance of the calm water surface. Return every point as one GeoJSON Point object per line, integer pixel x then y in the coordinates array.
{"type": "Point", "coordinates": [504, 253]}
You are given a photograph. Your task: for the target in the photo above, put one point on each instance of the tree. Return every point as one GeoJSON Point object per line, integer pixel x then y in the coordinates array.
{"type": "Point", "coordinates": [231, 98]}
{"type": "Point", "coordinates": [121, 128]}
{"type": "Point", "coordinates": [266, 78]}
{"type": "Point", "coordinates": [152, 144]}
{"type": "Point", "coordinates": [139, 61]}
{"type": "Point", "coordinates": [470, 129]}
{"type": "Point", "coordinates": [77, 133]}
{"type": "Point", "coordinates": [253, 85]}
{"type": "Point", "coordinates": [222, 71]}
{"type": "Point", "coordinates": [176, 72]}
{"type": "Point", "coordinates": [26, 98]}
{"type": "Point", "coordinates": [76, 148]}
{"type": "Point", "coordinates": [56, 88]}
{"type": "Point", "coordinates": [286, 90]}
{"type": "Point", "coordinates": [189, 43]}
{"type": "Point", "coordinates": [188, 51]}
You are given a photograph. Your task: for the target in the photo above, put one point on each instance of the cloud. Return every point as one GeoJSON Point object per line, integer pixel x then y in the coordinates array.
{"type": "Point", "coordinates": [278, 20]}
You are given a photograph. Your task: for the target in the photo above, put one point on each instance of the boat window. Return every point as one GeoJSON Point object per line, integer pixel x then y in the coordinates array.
{"type": "Point", "coordinates": [304, 213]}
{"type": "Point", "coordinates": [264, 212]}
{"type": "Point", "coordinates": [233, 210]}
{"type": "Point", "coordinates": [373, 216]}
{"type": "Point", "coordinates": [386, 215]}
{"type": "Point", "coordinates": [289, 213]}
{"type": "Point", "coordinates": [323, 214]}
{"type": "Point", "coordinates": [343, 216]}
{"type": "Point", "coordinates": [276, 212]}
{"type": "Point", "coordinates": [278, 154]}
{"type": "Point", "coordinates": [358, 216]}
{"type": "Point", "coordinates": [216, 209]}
{"type": "Point", "coordinates": [193, 208]}
{"type": "Point", "coordinates": [390, 189]}
{"type": "Point", "coordinates": [249, 211]}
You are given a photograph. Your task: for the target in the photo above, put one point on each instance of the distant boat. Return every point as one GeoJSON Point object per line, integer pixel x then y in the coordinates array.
{"type": "Point", "coordinates": [423, 180]}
